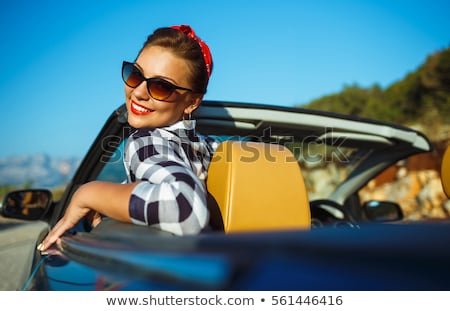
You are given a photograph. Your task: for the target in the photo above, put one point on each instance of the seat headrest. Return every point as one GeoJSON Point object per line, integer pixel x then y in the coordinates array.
{"type": "Point", "coordinates": [258, 187]}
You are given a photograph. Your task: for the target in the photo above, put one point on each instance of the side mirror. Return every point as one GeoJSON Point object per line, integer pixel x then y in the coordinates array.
{"type": "Point", "coordinates": [382, 211]}
{"type": "Point", "coordinates": [27, 204]}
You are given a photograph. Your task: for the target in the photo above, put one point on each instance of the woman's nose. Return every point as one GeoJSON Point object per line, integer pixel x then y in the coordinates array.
{"type": "Point", "coordinates": [141, 91]}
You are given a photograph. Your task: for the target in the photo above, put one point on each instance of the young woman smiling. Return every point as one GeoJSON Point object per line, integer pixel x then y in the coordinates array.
{"type": "Point", "coordinates": [165, 158]}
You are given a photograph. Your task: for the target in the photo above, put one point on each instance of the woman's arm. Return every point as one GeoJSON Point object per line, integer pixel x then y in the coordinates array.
{"type": "Point", "coordinates": [170, 195]}
{"type": "Point", "coordinates": [105, 198]}
{"type": "Point", "coordinates": [177, 204]}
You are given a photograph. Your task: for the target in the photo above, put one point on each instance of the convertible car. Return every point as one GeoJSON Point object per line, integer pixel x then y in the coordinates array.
{"type": "Point", "coordinates": [286, 214]}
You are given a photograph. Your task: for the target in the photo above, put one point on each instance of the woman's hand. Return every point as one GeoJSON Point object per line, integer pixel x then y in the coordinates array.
{"type": "Point", "coordinates": [92, 200]}
{"type": "Point", "coordinates": [74, 213]}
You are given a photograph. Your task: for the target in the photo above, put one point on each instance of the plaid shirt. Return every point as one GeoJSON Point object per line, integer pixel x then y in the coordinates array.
{"type": "Point", "coordinates": [171, 163]}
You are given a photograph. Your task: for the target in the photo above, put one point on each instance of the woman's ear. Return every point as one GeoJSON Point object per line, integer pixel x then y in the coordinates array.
{"type": "Point", "coordinates": [195, 102]}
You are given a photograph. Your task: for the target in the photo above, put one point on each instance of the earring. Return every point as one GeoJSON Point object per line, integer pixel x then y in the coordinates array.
{"type": "Point", "coordinates": [189, 117]}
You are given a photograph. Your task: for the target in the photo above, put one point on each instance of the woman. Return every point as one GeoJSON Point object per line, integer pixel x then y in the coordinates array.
{"type": "Point", "coordinates": [165, 159]}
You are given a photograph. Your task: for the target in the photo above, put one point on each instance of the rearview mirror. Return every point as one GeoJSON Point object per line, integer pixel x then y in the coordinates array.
{"type": "Point", "coordinates": [382, 211]}
{"type": "Point", "coordinates": [27, 204]}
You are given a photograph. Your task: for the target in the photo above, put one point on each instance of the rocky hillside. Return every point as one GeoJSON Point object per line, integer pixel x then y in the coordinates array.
{"type": "Point", "coordinates": [415, 184]}
{"type": "Point", "coordinates": [420, 100]}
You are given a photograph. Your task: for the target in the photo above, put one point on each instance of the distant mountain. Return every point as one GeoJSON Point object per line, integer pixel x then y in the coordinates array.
{"type": "Point", "coordinates": [37, 171]}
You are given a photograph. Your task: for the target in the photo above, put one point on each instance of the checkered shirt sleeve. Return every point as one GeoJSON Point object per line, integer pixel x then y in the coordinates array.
{"type": "Point", "coordinates": [171, 164]}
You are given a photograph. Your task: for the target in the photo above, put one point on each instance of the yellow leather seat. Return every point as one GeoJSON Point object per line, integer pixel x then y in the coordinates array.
{"type": "Point", "coordinates": [258, 187]}
{"type": "Point", "coordinates": [445, 171]}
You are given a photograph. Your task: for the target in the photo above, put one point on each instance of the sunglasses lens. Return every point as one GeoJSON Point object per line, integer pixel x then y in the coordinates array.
{"type": "Point", "coordinates": [160, 89]}
{"type": "Point", "coordinates": [131, 75]}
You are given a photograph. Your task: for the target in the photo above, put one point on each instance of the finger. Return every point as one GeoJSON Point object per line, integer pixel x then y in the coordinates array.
{"type": "Point", "coordinates": [53, 235]}
{"type": "Point", "coordinates": [97, 218]}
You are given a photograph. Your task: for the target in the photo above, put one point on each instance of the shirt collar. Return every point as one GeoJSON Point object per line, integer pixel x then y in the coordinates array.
{"type": "Point", "coordinates": [181, 125]}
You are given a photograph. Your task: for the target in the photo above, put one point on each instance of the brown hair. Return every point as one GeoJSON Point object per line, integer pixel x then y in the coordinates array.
{"type": "Point", "coordinates": [185, 48]}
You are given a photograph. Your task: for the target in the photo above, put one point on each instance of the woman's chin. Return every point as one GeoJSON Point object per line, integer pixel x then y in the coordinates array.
{"type": "Point", "coordinates": [136, 123]}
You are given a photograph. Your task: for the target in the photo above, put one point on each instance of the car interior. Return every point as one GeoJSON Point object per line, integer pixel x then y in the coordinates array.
{"type": "Point", "coordinates": [352, 150]}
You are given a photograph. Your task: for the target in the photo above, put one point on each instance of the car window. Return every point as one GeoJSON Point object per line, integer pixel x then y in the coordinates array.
{"type": "Point", "coordinates": [114, 170]}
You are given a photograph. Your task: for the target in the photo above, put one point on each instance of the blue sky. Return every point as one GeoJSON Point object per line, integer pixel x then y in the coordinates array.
{"type": "Point", "coordinates": [61, 60]}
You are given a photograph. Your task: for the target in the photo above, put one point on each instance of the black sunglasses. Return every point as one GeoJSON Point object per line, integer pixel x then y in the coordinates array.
{"type": "Point", "coordinates": [158, 88]}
